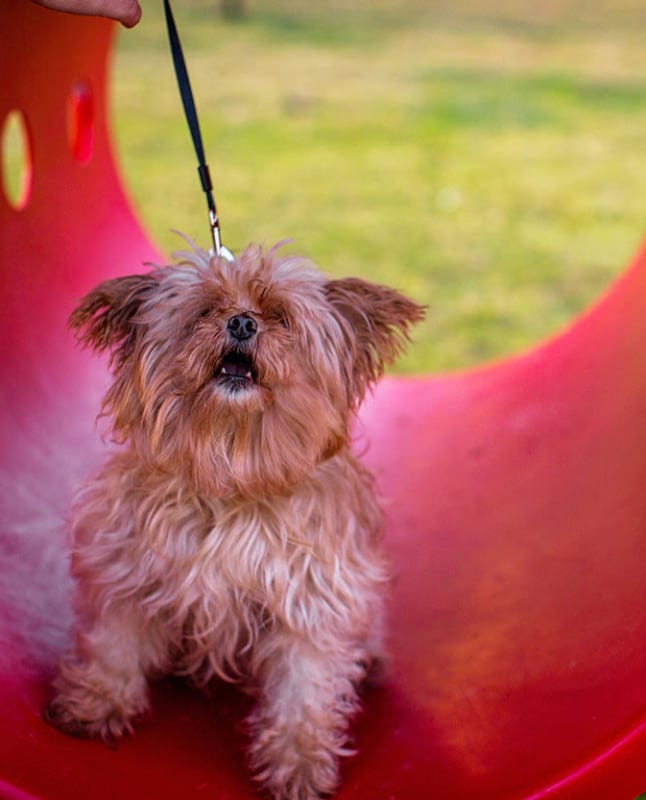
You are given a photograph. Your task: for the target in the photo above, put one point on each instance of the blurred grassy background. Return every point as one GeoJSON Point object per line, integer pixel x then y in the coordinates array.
{"type": "Point", "coordinates": [485, 157]}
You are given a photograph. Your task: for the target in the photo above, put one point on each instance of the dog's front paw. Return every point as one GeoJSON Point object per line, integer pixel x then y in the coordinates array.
{"type": "Point", "coordinates": [96, 700]}
{"type": "Point", "coordinates": [109, 727]}
{"type": "Point", "coordinates": [295, 765]}
{"type": "Point", "coordinates": [295, 778]}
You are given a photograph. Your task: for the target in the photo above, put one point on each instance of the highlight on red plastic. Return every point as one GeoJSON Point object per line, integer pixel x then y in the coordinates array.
{"type": "Point", "coordinates": [515, 496]}
{"type": "Point", "coordinates": [80, 122]}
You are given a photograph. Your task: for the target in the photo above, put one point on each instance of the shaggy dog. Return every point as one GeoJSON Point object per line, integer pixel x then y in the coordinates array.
{"type": "Point", "coordinates": [233, 534]}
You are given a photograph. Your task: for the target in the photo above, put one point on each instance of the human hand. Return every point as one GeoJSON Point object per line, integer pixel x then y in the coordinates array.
{"type": "Point", "coordinates": [127, 12]}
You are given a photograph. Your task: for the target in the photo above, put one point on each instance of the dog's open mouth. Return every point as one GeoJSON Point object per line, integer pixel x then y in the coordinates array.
{"type": "Point", "coordinates": [236, 370]}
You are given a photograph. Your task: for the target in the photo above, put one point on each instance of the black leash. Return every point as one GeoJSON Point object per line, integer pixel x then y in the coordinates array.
{"type": "Point", "coordinates": [190, 111]}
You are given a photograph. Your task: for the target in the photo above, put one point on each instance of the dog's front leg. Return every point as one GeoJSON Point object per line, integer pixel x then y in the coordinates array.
{"type": "Point", "coordinates": [308, 697]}
{"type": "Point", "coordinates": [101, 685]}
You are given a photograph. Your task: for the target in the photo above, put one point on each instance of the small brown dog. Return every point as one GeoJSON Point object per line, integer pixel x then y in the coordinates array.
{"type": "Point", "coordinates": [233, 534]}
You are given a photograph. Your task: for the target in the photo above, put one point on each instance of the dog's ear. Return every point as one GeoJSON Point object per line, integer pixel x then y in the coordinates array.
{"type": "Point", "coordinates": [106, 318]}
{"type": "Point", "coordinates": [375, 321]}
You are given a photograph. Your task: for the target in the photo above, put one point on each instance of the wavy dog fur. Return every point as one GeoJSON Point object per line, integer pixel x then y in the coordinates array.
{"type": "Point", "coordinates": [233, 534]}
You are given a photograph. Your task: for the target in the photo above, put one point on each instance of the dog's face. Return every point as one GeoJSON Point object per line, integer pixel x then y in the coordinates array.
{"type": "Point", "coordinates": [240, 377]}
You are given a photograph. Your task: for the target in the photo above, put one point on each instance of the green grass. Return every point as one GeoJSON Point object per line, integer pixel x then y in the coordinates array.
{"type": "Point", "coordinates": [486, 158]}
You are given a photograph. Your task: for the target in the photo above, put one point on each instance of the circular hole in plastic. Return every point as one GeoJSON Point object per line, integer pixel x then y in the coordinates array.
{"type": "Point", "coordinates": [80, 122]}
{"type": "Point", "coordinates": [16, 160]}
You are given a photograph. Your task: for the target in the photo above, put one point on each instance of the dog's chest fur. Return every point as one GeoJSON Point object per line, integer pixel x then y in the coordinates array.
{"type": "Point", "coordinates": [216, 573]}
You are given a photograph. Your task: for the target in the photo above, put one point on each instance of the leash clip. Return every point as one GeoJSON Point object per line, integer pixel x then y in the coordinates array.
{"type": "Point", "coordinates": [218, 248]}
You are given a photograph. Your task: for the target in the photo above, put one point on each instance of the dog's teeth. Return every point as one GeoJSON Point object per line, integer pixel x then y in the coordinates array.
{"type": "Point", "coordinates": [248, 375]}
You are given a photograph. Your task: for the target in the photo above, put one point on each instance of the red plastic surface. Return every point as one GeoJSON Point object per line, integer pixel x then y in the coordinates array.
{"type": "Point", "coordinates": [517, 515]}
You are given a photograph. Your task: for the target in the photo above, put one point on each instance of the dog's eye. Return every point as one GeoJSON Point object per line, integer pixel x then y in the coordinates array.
{"type": "Point", "coordinates": [279, 317]}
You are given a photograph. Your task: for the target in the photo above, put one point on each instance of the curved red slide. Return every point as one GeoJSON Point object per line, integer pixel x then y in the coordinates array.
{"type": "Point", "coordinates": [516, 502]}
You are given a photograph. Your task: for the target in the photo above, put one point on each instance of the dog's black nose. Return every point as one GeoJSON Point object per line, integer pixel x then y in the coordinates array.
{"type": "Point", "coordinates": [242, 327]}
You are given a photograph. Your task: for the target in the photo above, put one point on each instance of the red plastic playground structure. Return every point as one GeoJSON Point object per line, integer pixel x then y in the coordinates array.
{"type": "Point", "coordinates": [517, 514]}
